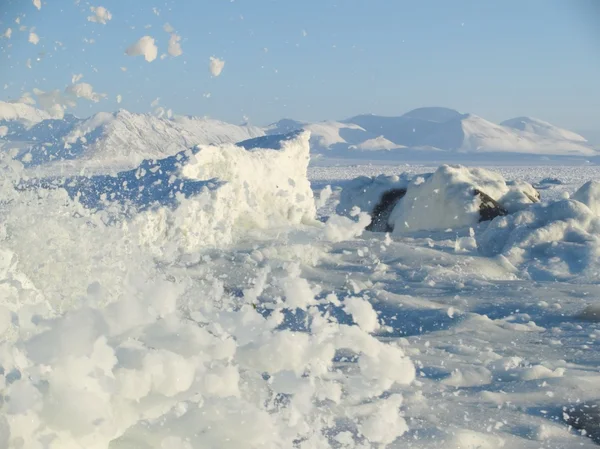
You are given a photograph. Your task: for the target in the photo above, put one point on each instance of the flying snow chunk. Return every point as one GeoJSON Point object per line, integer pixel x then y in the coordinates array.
{"type": "Point", "coordinates": [34, 38]}
{"type": "Point", "coordinates": [85, 91]}
{"type": "Point", "coordinates": [174, 45]}
{"type": "Point", "coordinates": [119, 98]}
{"type": "Point", "coordinates": [168, 28]}
{"type": "Point", "coordinates": [144, 47]}
{"type": "Point", "coordinates": [101, 15]}
{"type": "Point", "coordinates": [37, 4]}
{"type": "Point", "coordinates": [216, 66]}
{"type": "Point", "coordinates": [8, 33]}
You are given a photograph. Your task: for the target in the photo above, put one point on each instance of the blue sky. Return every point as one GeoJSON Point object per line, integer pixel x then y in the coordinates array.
{"type": "Point", "coordinates": [318, 59]}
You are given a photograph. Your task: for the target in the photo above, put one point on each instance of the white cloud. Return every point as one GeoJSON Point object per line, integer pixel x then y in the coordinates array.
{"type": "Point", "coordinates": [53, 102]}
{"type": "Point", "coordinates": [85, 91]}
{"type": "Point", "coordinates": [8, 33]}
{"type": "Point", "coordinates": [216, 66]}
{"type": "Point", "coordinates": [144, 47]}
{"type": "Point", "coordinates": [174, 45]}
{"type": "Point", "coordinates": [168, 28]}
{"type": "Point", "coordinates": [34, 38]}
{"type": "Point", "coordinates": [101, 15]}
{"type": "Point", "coordinates": [37, 4]}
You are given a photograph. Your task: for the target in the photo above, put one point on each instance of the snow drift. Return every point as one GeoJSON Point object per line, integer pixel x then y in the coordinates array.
{"type": "Point", "coordinates": [559, 240]}
{"type": "Point", "coordinates": [204, 196]}
{"type": "Point", "coordinates": [451, 197]}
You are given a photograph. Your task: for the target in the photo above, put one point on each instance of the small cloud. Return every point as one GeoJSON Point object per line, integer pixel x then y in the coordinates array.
{"type": "Point", "coordinates": [216, 66]}
{"type": "Point", "coordinates": [37, 4]}
{"type": "Point", "coordinates": [144, 47]}
{"type": "Point", "coordinates": [34, 38]}
{"type": "Point", "coordinates": [85, 91]}
{"type": "Point", "coordinates": [174, 45]}
{"type": "Point", "coordinates": [101, 15]}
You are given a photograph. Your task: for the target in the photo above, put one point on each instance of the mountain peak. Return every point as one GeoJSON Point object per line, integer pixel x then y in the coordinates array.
{"type": "Point", "coordinates": [435, 114]}
{"type": "Point", "coordinates": [542, 128]}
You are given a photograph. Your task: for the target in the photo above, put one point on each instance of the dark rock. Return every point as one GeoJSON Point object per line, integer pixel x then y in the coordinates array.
{"type": "Point", "coordinates": [383, 209]}
{"type": "Point", "coordinates": [489, 208]}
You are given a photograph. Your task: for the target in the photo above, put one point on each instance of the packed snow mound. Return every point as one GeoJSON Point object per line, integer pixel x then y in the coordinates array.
{"type": "Point", "coordinates": [556, 241]}
{"type": "Point", "coordinates": [470, 133]}
{"type": "Point", "coordinates": [542, 128]}
{"type": "Point", "coordinates": [21, 113]}
{"type": "Point", "coordinates": [450, 198]}
{"type": "Point", "coordinates": [206, 196]}
{"type": "Point", "coordinates": [377, 144]}
{"type": "Point", "coordinates": [122, 140]}
{"type": "Point", "coordinates": [589, 194]}
{"type": "Point", "coordinates": [433, 114]}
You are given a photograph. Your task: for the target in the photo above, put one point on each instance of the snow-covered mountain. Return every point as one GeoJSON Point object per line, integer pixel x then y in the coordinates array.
{"type": "Point", "coordinates": [447, 129]}
{"type": "Point", "coordinates": [121, 140]}
{"type": "Point", "coordinates": [470, 133]}
{"type": "Point", "coordinates": [542, 128]}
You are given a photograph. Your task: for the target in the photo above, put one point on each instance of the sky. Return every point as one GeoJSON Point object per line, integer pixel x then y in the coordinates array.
{"type": "Point", "coordinates": [314, 59]}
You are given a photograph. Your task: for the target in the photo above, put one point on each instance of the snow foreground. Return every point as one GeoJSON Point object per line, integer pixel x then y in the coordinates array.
{"type": "Point", "coordinates": [288, 334]}
{"type": "Point", "coordinates": [106, 343]}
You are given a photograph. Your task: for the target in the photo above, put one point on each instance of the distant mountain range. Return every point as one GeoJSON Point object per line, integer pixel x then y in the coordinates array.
{"type": "Point", "coordinates": [123, 139]}
{"type": "Point", "coordinates": [441, 129]}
